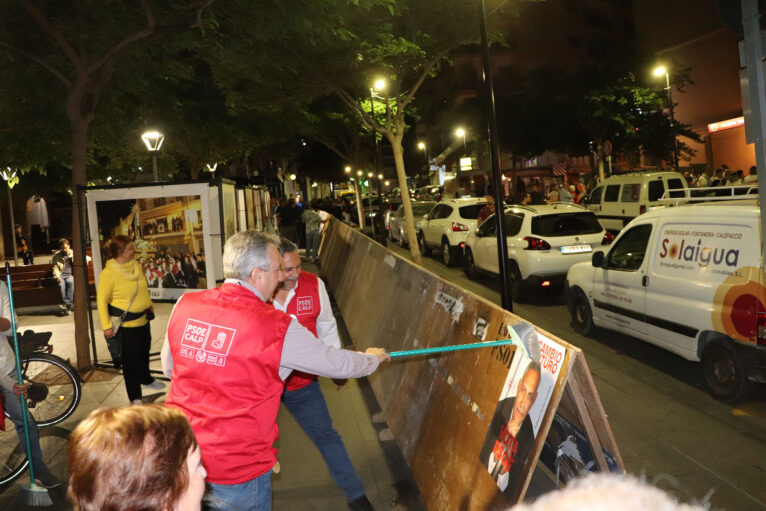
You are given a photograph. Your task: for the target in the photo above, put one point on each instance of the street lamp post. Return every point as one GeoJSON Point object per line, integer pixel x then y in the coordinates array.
{"type": "Point", "coordinates": [423, 147]}
{"type": "Point", "coordinates": [460, 132]}
{"type": "Point", "coordinates": [153, 141]}
{"type": "Point", "coordinates": [659, 71]}
{"type": "Point", "coordinates": [8, 176]}
{"type": "Point", "coordinates": [380, 84]}
{"type": "Point", "coordinates": [502, 242]}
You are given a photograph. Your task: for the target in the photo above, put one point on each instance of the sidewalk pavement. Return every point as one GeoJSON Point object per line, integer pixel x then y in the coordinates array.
{"type": "Point", "coordinates": [304, 481]}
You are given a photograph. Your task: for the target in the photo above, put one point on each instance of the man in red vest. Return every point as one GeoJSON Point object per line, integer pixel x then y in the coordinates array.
{"type": "Point", "coordinates": [228, 352]}
{"type": "Point", "coordinates": [303, 296]}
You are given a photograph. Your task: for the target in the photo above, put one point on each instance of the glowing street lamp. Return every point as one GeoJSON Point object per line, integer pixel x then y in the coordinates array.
{"type": "Point", "coordinates": [359, 173]}
{"type": "Point", "coordinates": [659, 71]}
{"type": "Point", "coordinates": [347, 170]}
{"type": "Point", "coordinates": [293, 177]}
{"type": "Point", "coordinates": [153, 140]}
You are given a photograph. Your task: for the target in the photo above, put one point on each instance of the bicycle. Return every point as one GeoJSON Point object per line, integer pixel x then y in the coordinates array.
{"type": "Point", "coordinates": [54, 394]}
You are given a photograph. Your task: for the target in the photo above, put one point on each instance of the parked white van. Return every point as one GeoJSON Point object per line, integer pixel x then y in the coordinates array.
{"type": "Point", "coordinates": [621, 198]}
{"type": "Point", "coordinates": [688, 279]}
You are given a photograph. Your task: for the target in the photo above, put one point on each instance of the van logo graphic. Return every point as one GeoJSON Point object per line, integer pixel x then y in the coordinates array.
{"type": "Point", "coordinates": [305, 305]}
{"type": "Point", "coordinates": [206, 343]}
{"type": "Point", "coordinates": [699, 253]}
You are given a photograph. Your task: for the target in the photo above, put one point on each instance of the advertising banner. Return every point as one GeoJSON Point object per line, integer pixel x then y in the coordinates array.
{"type": "Point", "coordinates": [169, 226]}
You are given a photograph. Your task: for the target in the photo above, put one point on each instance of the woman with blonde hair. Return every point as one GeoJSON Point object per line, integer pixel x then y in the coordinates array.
{"type": "Point", "coordinates": [138, 457]}
{"type": "Point", "coordinates": [123, 297]}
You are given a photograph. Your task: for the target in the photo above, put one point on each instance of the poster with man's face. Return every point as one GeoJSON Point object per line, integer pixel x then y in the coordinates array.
{"type": "Point", "coordinates": [523, 400]}
{"type": "Point", "coordinates": [167, 232]}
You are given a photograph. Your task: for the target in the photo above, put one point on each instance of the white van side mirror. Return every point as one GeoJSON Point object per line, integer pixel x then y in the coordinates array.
{"type": "Point", "coordinates": [598, 260]}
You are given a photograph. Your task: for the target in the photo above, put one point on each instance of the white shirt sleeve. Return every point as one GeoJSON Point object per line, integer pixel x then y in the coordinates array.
{"type": "Point", "coordinates": [301, 351]}
{"type": "Point", "coordinates": [327, 328]}
{"type": "Point", "coordinates": [165, 355]}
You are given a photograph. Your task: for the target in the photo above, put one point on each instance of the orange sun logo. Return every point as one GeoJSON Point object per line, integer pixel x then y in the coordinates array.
{"type": "Point", "coordinates": [673, 251]}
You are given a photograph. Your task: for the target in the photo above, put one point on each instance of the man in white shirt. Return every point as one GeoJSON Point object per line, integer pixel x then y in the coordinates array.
{"type": "Point", "coordinates": [304, 296]}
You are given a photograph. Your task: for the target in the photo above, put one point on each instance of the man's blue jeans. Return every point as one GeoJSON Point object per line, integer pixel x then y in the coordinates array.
{"type": "Point", "coordinates": [67, 288]}
{"type": "Point", "coordinates": [253, 495]}
{"type": "Point", "coordinates": [309, 408]}
{"type": "Point", "coordinates": [12, 406]}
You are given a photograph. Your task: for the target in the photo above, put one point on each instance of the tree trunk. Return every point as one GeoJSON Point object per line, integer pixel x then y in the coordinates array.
{"type": "Point", "coordinates": [359, 206]}
{"type": "Point", "coordinates": [79, 123]}
{"type": "Point", "coordinates": [409, 219]}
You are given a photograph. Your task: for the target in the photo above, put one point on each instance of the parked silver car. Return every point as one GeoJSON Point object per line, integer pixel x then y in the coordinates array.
{"type": "Point", "coordinates": [397, 230]}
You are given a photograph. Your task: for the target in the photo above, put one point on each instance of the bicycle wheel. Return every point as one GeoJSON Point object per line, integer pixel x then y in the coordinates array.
{"type": "Point", "coordinates": [13, 461]}
{"type": "Point", "coordinates": [62, 383]}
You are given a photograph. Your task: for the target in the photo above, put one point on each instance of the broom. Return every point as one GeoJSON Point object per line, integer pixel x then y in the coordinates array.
{"type": "Point", "coordinates": [32, 494]}
{"type": "Point", "coordinates": [522, 334]}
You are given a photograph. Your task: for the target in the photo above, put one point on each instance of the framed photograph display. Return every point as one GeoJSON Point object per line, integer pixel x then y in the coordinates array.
{"type": "Point", "coordinates": [170, 226]}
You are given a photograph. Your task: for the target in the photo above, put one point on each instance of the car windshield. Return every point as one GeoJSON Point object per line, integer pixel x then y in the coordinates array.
{"type": "Point", "coordinates": [422, 209]}
{"type": "Point", "coordinates": [566, 224]}
{"type": "Point", "coordinates": [471, 212]}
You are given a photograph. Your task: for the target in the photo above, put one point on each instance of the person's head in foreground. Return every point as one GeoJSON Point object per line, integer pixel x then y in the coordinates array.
{"type": "Point", "coordinates": [607, 492]}
{"type": "Point", "coordinates": [138, 457]}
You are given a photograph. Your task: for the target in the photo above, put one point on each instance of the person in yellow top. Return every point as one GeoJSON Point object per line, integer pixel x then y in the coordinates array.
{"type": "Point", "coordinates": [122, 287]}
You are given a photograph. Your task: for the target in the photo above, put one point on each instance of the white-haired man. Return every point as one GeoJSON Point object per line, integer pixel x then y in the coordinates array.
{"type": "Point", "coordinates": [228, 352]}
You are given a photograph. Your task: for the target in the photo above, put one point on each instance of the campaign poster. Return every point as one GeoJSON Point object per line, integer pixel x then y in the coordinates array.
{"type": "Point", "coordinates": [525, 396]}
{"type": "Point", "coordinates": [169, 233]}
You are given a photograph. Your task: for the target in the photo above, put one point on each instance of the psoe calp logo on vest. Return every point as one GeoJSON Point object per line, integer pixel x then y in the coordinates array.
{"type": "Point", "coordinates": [305, 305]}
{"type": "Point", "coordinates": [206, 343]}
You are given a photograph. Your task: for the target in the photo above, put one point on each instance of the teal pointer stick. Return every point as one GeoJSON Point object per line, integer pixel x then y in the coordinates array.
{"type": "Point", "coordinates": [442, 349]}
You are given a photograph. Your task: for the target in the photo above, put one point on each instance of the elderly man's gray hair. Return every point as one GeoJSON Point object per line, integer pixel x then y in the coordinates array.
{"type": "Point", "coordinates": [286, 246]}
{"type": "Point", "coordinates": [246, 251]}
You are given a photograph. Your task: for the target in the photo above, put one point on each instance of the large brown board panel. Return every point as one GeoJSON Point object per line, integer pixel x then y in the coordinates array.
{"type": "Point", "coordinates": [440, 407]}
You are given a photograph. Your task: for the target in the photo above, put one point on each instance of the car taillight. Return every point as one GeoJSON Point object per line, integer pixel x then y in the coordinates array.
{"type": "Point", "coordinates": [457, 227]}
{"type": "Point", "coordinates": [761, 339]}
{"type": "Point", "coordinates": [390, 207]}
{"type": "Point", "coordinates": [608, 238]}
{"type": "Point", "coordinates": [536, 243]}
{"type": "Point", "coordinates": [642, 209]}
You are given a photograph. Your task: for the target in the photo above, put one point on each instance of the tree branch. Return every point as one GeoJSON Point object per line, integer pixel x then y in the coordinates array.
{"type": "Point", "coordinates": [53, 31]}
{"type": "Point", "coordinates": [37, 60]}
{"type": "Point", "coordinates": [129, 39]}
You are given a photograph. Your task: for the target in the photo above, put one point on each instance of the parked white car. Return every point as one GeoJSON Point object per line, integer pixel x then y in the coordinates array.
{"type": "Point", "coordinates": [688, 279]}
{"type": "Point", "coordinates": [397, 229]}
{"type": "Point", "coordinates": [447, 227]}
{"type": "Point", "coordinates": [543, 242]}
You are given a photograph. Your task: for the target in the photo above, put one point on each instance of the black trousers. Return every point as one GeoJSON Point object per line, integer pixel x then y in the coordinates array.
{"type": "Point", "coordinates": [135, 359]}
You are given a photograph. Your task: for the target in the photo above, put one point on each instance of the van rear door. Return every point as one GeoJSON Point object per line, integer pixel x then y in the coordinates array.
{"type": "Point", "coordinates": [619, 294]}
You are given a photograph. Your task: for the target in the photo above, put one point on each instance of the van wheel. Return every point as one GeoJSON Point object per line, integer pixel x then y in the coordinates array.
{"type": "Point", "coordinates": [468, 265]}
{"type": "Point", "coordinates": [517, 285]}
{"type": "Point", "coordinates": [582, 315]}
{"type": "Point", "coordinates": [725, 373]}
{"type": "Point", "coordinates": [424, 250]}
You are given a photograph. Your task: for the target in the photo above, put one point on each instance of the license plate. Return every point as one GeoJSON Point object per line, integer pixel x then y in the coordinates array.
{"type": "Point", "coordinates": [576, 249]}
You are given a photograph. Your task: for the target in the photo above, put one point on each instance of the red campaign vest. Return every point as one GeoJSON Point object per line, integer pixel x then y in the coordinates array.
{"type": "Point", "coordinates": [305, 307]}
{"type": "Point", "coordinates": [226, 345]}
